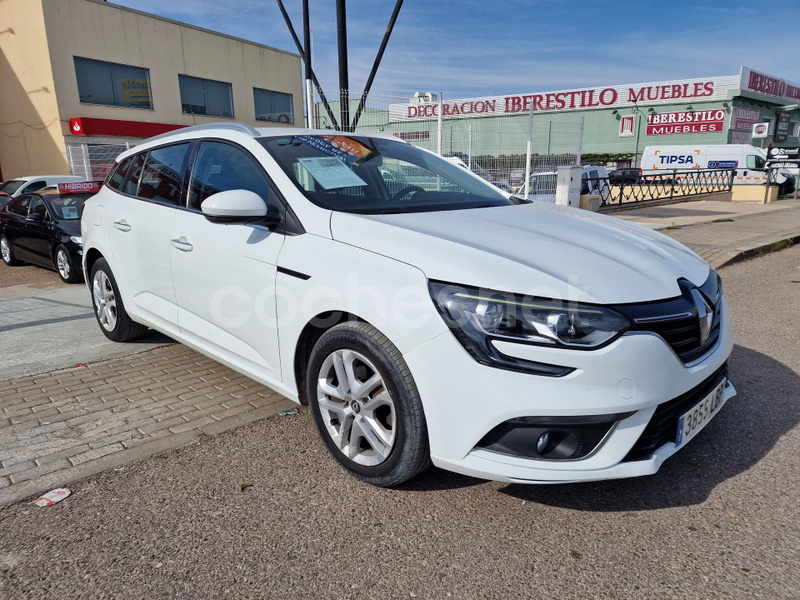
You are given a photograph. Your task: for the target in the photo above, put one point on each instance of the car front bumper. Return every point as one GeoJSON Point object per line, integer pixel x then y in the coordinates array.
{"type": "Point", "coordinates": [464, 400]}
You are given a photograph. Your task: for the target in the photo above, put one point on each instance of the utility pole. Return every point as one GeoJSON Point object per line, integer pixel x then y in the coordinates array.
{"type": "Point", "coordinates": [344, 83]}
{"type": "Point", "coordinates": [307, 61]}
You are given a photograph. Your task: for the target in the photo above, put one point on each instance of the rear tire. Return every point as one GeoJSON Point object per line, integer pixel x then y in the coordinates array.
{"type": "Point", "coordinates": [66, 267]}
{"type": "Point", "coordinates": [108, 306]}
{"type": "Point", "coordinates": [6, 253]}
{"type": "Point", "coordinates": [366, 405]}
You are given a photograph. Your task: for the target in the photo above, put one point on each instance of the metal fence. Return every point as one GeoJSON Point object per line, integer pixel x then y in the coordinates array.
{"type": "Point", "coordinates": [93, 161]}
{"type": "Point", "coordinates": [662, 186]}
{"type": "Point", "coordinates": [499, 148]}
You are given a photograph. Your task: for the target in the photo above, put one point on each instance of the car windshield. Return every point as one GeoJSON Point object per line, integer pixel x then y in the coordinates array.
{"type": "Point", "coordinates": [67, 207]}
{"type": "Point", "coordinates": [378, 176]}
{"type": "Point", "coordinates": [9, 187]}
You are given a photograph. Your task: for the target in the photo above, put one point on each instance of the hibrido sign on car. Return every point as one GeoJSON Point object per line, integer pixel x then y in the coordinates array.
{"type": "Point", "coordinates": [423, 314]}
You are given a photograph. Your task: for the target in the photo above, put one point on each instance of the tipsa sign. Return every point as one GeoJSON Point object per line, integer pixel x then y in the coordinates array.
{"type": "Point", "coordinates": [700, 121]}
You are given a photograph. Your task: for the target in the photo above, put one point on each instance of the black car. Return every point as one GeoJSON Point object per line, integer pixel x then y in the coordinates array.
{"type": "Point", "coordinates": [44, 228]}
{"type": "Point", "coordinates": [623, 176]}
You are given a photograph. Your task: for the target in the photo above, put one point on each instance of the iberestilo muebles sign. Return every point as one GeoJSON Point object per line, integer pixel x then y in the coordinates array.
{"type": "Point", "coordinates": [620, 96]}
{"type": "Point", "coordinates": [700, 121]}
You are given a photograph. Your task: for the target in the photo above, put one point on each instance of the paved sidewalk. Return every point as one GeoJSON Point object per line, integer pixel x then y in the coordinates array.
{"type": "Point", "coordinates": [724, 232]}
{"type": "Point", "coordinates": [42, 330]}
{"type": "Point", "coordinates": [62, 426]}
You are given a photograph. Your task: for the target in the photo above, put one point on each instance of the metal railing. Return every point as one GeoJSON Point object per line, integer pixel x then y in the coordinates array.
{"type": "Point", "coordinates": [661, 186]}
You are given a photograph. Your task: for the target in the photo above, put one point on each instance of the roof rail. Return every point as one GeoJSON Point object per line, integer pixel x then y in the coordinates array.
{"type": "Point", "coordinates": [243, 127]}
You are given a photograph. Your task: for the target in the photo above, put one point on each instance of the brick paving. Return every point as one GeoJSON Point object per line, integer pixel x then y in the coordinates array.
{"type": "Point", "coordinates": [64, 425]}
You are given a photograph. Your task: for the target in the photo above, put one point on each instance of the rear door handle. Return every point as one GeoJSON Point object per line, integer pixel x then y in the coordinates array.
{"type": "Point", "coordinates": [122, 225]}
{"type": "Point", "coordinates": [182, 244]}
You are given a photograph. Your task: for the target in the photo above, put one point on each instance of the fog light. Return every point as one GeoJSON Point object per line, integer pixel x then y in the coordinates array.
{"type": "Point", "coordinates": [541, 443]}
{"type": "Point", "coordinates": [550, 438]}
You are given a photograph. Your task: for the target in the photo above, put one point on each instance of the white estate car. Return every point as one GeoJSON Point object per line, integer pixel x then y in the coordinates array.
{"type": "Point", "coordinates": [423, 314]}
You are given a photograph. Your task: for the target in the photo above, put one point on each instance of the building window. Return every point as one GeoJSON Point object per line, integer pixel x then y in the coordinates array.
{"type": "Point", "coordinates": [112, 84]}
{"type": "Point", "coordinates": [275, 107]}
{"type": "Point", "coordinates": [205, 96]}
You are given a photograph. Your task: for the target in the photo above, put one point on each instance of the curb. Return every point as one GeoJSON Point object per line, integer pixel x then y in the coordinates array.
{"type": "Point", "coordinates": [777, 245]}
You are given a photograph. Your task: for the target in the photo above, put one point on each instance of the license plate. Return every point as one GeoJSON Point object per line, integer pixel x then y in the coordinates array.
{"type": "Point", "coordinates": [690, 424]}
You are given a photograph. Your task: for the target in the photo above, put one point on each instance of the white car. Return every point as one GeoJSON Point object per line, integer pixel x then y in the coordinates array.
{"type": "Point", "coordinates": [436, 321]}
{"type": "Point", "coordinates": [33, 183]}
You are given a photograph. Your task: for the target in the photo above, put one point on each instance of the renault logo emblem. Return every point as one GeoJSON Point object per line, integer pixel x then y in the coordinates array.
{"type": "Point", "coordinates": [705, 315]}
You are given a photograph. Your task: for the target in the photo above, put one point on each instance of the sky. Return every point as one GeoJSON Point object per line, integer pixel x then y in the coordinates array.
{"type": "Point", "coordinates": [469, 48]}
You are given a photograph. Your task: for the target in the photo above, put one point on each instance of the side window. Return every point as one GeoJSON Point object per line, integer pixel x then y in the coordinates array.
{"type": "Point", "coordinates": [131, 186]}
{"type": "Point", "coordinates": [755, 162]}
{"type": "Point", "coordinates": [221, 167]}
{"type": "Point", "coordinates": [36, 185]}
{"type": "Point", "coordinates": [19, 206]}
{"type": "Point", "coordinates": [37, 207]}
{"type": "Point", "coordinates": [117, 176]}
{"type": "Point", "coordinates": [161, 176]}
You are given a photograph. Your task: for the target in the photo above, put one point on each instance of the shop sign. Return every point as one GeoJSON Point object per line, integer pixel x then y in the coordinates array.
{"type": "Point", "coordinates": [782, 127]}
{"type": "Point", "coordinates": [700, 121]}
{"type": "Point", "coordinates": [743, 119]}
{"type": "Point", "coordinates": [790, 152]}
{"type": "Point", "coordinates": [769, 85]}
{"type": "Point", "coordinates": [135, 91]}
{"type": "Point", "coordinates": [740, 137]}
{"type": "Point", "coordinates": [760, 130]}
{"type": "Point", "coordinates": [620, 96]}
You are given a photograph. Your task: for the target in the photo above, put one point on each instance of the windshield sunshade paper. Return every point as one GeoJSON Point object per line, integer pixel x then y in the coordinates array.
{"type": "Point", "coordinates": [348, 150]}
{"type": "Point", "coordinates": [331, 173]}
{"type": "Point", "coordinates": [70, 212]}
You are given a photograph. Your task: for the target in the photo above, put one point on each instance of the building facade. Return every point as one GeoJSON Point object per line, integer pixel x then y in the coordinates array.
{"type": "Point", "coordinates": [81, 80]}
{"type": "Point", "coordinates": [614, 119]}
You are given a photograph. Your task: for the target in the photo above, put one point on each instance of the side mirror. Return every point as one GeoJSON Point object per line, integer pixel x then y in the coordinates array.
{"type": "Point", "coordinates": [238, 207]}
{"type": "Point", "coordinates": [35, 218]}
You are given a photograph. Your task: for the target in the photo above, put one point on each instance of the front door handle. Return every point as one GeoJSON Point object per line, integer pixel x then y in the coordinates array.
{"type": "Point", "coordinates": [182, 244]}
{"type": "Point", "coordinates": [122, 225]}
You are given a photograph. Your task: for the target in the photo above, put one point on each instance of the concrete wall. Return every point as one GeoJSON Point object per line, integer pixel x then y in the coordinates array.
{"type": "Point", "coordinates": [30, 133]}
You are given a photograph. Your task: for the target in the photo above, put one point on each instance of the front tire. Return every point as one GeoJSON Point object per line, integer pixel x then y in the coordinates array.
{"type": "Point", "coordinates": [6, 253]}
{"type": "Point", "coordinates": [66, 267]}
{"type": "Point", "coordinates": [108, 306]}
{"type": "Point", "coordinates": [366, 405]}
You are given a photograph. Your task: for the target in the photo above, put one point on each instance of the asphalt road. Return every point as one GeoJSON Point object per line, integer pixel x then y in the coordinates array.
{"type": "Point", "coordinates": [720, 520]}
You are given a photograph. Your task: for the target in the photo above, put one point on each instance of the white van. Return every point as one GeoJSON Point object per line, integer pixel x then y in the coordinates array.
{"type": "Point", "coordinates": [542, 188]}
{"type": "Point", "coordinates": [33, 183]}
{"type": "Point", "coordinates": [748, 161]}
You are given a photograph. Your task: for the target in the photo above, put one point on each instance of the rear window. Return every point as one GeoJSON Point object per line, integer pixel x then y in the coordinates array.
{"type": "Point", "coordinates": [117, 176]}
{"type": "Point", "coordinates": [67, 207]}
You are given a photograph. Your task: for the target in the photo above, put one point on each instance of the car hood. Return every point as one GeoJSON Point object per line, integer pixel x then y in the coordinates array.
{"type": "Point", "coordinates": [538, 249]}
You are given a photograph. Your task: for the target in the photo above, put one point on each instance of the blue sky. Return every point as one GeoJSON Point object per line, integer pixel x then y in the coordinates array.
{"type": "Point", "coordinates": [481, 47]}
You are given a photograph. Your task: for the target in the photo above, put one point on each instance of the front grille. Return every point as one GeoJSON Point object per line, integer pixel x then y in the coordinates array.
{"type": "Point", "coordinates": [663, 426]}
{"type": "Point", "coordinates": [683, 336]}
{"type": "Point", "coordinates": [677, 320]}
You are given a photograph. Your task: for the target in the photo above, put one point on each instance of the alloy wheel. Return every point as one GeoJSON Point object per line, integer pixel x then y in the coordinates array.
{"type": "Point", "coordinates": [62, 262]}
{"type": "Point", "coordinates": [5, 250]}
{"type": "Point", "coordinates": [357, 410]}
{"type": "Point", "coordinates": [105, 302]}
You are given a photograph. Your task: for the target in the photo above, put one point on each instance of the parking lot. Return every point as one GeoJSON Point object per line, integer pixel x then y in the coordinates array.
{"type": "Point", "coordinates": [719, 520]}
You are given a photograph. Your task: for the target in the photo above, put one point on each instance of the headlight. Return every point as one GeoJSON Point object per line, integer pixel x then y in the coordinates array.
{"type": "Point", "coordinates": [77, 239]}
{"type": "Point", "coordinates": [477, 317]}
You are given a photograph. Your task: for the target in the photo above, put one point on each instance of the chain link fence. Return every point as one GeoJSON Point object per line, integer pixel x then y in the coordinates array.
{"type": "Point", "coordinates": [472, 133]}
